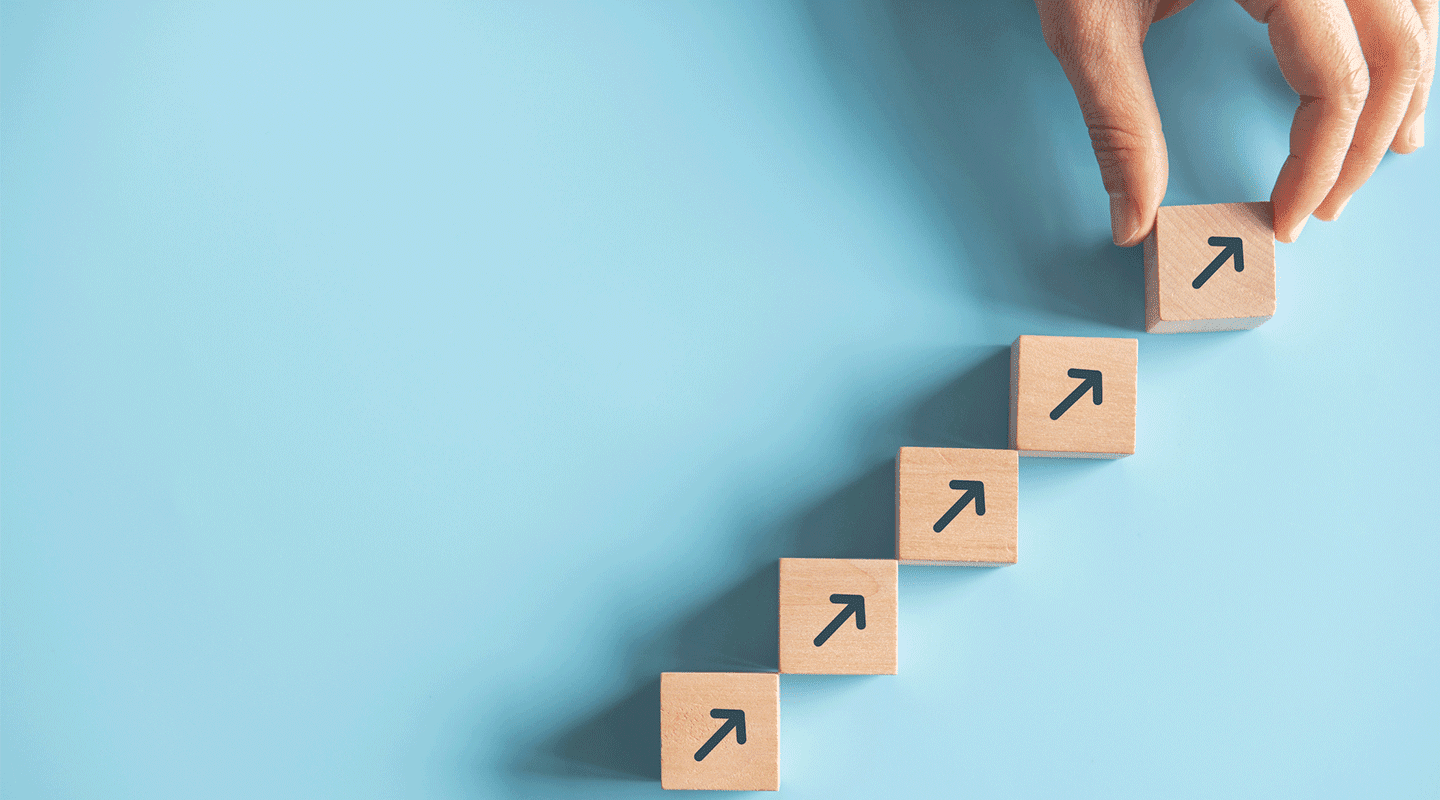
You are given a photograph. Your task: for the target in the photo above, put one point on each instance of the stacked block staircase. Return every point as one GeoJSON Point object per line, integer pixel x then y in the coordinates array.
{"type": "Point", "coordinates": [1207, 268]}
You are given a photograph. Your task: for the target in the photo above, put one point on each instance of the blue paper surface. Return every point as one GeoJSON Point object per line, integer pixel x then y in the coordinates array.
{"type": "Point", "coordinates": [392, 391]}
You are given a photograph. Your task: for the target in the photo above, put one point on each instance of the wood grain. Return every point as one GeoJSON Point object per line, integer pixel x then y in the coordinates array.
{"type": "Point", "coordinates": [686, 700]}
{"type": "Point", "coordinates": [924, 498]}
{"type": "Point", "coordinates": [806, 609]}
{"type": "Point", "coordinates": [1178, 251]}
{"type": "Point", "coordinates": [1040, 382]}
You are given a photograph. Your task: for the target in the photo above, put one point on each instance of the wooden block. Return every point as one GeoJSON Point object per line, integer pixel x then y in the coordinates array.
{"type": "Point", "coordinates": [1210, 268]}
{"type": "Point", "coordinates": [957, 506]}
{"type": "Point", "coordinates": [1073, 396]}
{"type": "Point", "coordinates": [720, 730]}
{"type": "Point", "coordinates": [839, 616]}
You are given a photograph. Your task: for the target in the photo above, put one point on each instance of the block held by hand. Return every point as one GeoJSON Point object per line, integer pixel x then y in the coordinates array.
{"type": "Point", "coordinates": [1210, 268]}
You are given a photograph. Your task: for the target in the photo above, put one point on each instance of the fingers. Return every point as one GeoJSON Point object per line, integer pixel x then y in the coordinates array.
{"type": "Point", "coordinates": [1320, 56]}
{"type": "Point", "coordinates": [1099, 46]}
{"type": "Point", "coordinates": [1411, 135]}
{"type": "Point", "coordinates": [1393, 41]}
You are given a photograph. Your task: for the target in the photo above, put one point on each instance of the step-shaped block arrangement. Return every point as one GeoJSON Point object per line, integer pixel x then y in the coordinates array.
{"type": "Point", "coordinates": [1073, 396]}
{"type": "Point", "coordinates": [957, 506]}
{"type": "Point", "coordinates": [720, 730]}
{"type": "Point", "coordinates": [1069, 396]}
{"type": "Point", "coordinates": [839, 616]}
{"type": "Point", "coordinates": [1210, 268]}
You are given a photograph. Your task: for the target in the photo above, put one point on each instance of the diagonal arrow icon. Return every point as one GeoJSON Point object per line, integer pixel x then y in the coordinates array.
{"type": "Point", "coordinates": [1091, 380]}
{"type": "Point", "coordinates": [734, 718]}
{"type": "Point", "coordinates": [854, 604]}
{"type": "Point", "coordinates": [975, 489]}
{"type": "Point", "coordinates": [1233, 246]}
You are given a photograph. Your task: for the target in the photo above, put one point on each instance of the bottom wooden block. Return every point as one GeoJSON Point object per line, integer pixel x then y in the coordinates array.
{"type": "Point", "coordinates": [720, 730]}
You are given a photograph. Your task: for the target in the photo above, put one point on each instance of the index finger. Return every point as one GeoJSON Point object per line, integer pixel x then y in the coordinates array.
{"type": "Point", "coordinates": [1319, 54]}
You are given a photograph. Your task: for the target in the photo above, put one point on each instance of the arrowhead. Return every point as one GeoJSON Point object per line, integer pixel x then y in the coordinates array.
{"type": "Point", "coordinates": [1234, 247]}
{"type": "Point", "coordinates": [974, 490]}
{"type": "Point", "coordinates": [854, 604]}
{"type": "Point", "coordinates": [734, 718]}
{"type": "Point", "coordinates": [1092, 379]}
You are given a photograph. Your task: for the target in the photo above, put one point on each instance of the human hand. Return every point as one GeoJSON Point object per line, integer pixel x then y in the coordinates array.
{"type": "Point", "coordinates": [1362, 68]}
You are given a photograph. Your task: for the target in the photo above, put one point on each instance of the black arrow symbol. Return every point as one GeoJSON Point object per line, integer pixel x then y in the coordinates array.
{"type": "Point", "coordinates": [1091, 379]}
{"type": "Point", "coordinates": [734, 718]}
{"type": "Point", "coordinates": [975, 489]}
{"type": "Point", "coordinates": [1233, 246]}
{"type": "Point", "coordinates": [854, 604]}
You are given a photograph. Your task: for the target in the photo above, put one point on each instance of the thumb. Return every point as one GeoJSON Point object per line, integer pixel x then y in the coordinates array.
{"type": "Point", "coordinates": [1099, 45]}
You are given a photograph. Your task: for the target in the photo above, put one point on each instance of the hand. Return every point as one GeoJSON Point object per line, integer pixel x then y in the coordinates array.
{"type": "Point", "coordinates": [1362, 68]}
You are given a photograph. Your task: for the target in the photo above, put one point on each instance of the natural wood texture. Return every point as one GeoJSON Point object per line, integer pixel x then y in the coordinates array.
{"type": "Point", "coordinates": [687, 728]}
{"type": "Point", "coordinates": [1048, 375]}
{"type": "Point", "coordinates": [1179, 253]}
{"type": "Point", "coordinates": [815, 593]}
{"type": "Point", "coordinates": [931, 481]}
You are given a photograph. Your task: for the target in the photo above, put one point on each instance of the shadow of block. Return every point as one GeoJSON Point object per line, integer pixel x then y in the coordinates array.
{"type": "Point", "coordinates": [973, 410]}
{"type": "Point", "coordinates": [856, 521]}
{"type": "Point", "coordinates": [620, 742]}
{"type": "Point", "coordinates": [737, 632]}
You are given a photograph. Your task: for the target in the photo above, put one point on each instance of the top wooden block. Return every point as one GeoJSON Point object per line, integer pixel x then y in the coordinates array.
{"type": "Point", "coordinates": [720, 730]}
{"type": "Point", "coordinates": [1073, 396]}
{"type": "Point", "coordinates": [1210, 268]}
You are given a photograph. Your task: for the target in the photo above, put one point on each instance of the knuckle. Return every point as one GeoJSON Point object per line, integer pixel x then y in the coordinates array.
{"type": "Point", "coordinates": [1351, 87]}
{"type": "Point", "coordinates": [1410, 50]}
{"type": "Point", "coordinates": [1116, 144]}
{"type": "Point", "coordinates": [1415, 42]}
{"type": "Point", "coordinates": [1110, 137]}
{"type": "Point", "coordinates": [1398, 55]}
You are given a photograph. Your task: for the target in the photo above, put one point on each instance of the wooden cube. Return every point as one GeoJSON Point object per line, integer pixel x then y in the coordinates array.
{"type": "Point", "coordinates": [720, 730]}
{"type": "Point", "coordinates": [1073, 396]}
{"type": "Point", "coordinates": [957, 506]}
{"type": "Point", "coordinates": [1210, 268]}
{"type": "Point", "coordinates": [839, 616]}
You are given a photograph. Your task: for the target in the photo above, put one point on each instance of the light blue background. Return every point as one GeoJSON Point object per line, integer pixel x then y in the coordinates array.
{"type": "Point", "coordinates": [392, 392]}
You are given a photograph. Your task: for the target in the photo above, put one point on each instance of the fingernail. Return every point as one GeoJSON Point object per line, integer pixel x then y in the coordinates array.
{"type": "Point", "coordinates": [1295, 231]}
{"type": "Point", "coordinates": [1124, 219]}
{"type": "Point", "coordinates": [1330, 216]}
{"type": "Point", "coordinates": [1417, 132]}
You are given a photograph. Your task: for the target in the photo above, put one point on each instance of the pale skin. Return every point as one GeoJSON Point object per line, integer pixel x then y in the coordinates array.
{"type": "Point", "coordinates": [1363, 70]}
